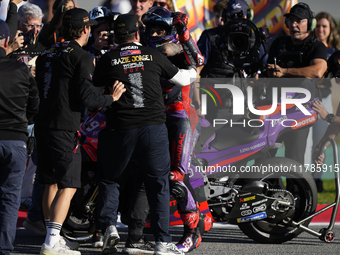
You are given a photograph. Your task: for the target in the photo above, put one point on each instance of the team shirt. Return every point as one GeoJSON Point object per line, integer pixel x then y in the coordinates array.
{"type": "Point", "coordinates": [140, 69]}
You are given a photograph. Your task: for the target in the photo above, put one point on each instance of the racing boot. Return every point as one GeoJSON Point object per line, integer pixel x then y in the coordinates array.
{"type": "Point", "coordinates": [205, 223]}
{"type": "Point", "coordinates": [191, 238]}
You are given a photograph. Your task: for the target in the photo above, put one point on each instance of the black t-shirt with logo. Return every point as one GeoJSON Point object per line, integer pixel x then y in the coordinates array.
{"type": "Point", "coordinates": [296, 56]}
{"type": "Point", "coordinates": [64, 82]}
{"type": "Point", "coordinates": [310, 49]}
{"type": "Point", "coordinates": [26, 54]}
{"type": "Point", "coordinates": [140, 69]}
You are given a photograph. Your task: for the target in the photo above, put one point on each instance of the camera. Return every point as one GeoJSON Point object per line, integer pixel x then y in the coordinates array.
{"type": "Point", "coordinates": [28, 38]}
{"type": "Point", "coordinates": [110, 38]}
{"type": "Point", "coordinates": [239, 39]}
{"type": "Point", "coordinates": [240, 43]}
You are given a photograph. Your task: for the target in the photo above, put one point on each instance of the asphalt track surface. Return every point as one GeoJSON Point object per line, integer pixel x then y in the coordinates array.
{"type": "Point", "coordinates": [221, 239]}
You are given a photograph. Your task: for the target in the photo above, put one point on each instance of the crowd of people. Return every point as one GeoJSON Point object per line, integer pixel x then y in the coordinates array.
{"type": "Point", "coordinates": [137, 68]}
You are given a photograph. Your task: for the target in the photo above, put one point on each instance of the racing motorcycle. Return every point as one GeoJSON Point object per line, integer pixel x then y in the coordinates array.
{"type": "Point", "coordinates": [265, 199]}
{"type": "Point", "coordinates": [270, 201]}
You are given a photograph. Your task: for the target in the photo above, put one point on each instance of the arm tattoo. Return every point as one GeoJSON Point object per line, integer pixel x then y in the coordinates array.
{"type": "Point", "coordinates": [170, 49]}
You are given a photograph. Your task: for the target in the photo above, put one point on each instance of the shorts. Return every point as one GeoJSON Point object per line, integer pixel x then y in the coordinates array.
{"type": "Point", "coordinates": [56, 161]}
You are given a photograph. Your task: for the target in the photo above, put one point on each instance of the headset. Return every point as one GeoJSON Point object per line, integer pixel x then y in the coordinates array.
{"type": "Point", "coordinates": [311, 21]}
{"type": "Point", "coordinates": [250, 14]}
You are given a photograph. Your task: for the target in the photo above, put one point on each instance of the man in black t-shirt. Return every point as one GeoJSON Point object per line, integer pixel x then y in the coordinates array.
{"type": "Point", "coordinates": [135, 127]}
{"type": "Point", "coordinates": [64, 83]}
{"type": "Point", "coordinates": [313, 59]}
{"type": "Point", "coordinates": [298, 56]}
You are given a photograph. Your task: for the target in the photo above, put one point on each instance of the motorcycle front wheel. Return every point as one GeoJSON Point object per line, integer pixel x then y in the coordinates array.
{"type": "Point", "coordinates": [283, 174]}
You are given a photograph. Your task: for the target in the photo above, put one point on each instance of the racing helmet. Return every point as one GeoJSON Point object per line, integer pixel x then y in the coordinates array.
{"type": "Point", "coordinates": [163, 17]}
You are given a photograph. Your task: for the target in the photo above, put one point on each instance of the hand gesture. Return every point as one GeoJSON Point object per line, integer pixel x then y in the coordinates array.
{"type": "Point", "coordinates": [275, 71]}
{"type": "Point", "coordinates": [117, 90]}
{"type": "Point", "coordinates": [180, 20]}
{"type": "Point", "coordinates": [101, 41]}
{"type": "Point", "coordinates": [320, 109]}
{"type": "Point", "coordinates": [17, 43]}
{"type": "Point", "coordinates": [318, 159]}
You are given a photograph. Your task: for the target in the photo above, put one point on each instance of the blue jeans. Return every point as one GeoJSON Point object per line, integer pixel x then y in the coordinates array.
{"type": "Point", "coordinates": [150, 146]}
{"type": "Point", "coordinates": [13, 157]}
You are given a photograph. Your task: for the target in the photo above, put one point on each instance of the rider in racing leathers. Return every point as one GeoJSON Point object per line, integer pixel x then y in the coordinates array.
{"type": "Point", "coordinates": [165, 28]}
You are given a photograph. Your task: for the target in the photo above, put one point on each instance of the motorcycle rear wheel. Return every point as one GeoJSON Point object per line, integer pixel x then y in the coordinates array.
{"type": "Point", "coordinates": [297, 181]}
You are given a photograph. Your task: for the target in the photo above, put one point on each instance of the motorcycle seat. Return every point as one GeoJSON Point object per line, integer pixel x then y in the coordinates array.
{"type": "Point", "coordinates": [228, 137]}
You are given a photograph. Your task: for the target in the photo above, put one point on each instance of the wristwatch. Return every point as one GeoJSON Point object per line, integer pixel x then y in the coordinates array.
{"type": "Point", "coordinates": [330, 118]}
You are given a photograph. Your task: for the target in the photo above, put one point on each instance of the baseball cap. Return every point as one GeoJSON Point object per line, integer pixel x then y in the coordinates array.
{"type": "Point", "coordinates": [333, 63]}
{"type": "Point", "coordinates": [126, 24]}
{"type": "Point", "coordinates": [4, 30]}
{"type": "Point", "coordinates": [236, 6]}
{"type": "Point", "coordinates": [77, 17]}
{"type": "Point", "coordinates": [299, 10]}
{"type": "Point", "coordinates": [99, 12]}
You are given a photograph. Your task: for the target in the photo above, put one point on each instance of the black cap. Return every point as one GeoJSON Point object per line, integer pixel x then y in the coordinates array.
{"type": "Point", "coordinates": [77, 17]}
{"type": "Point", "coordinates": [126, 24]}
{"type": "Point", "coordinates": [300, 10]}
{"type": "Point", "coordinates": [236, 6]}
{"type": "Point", "coordinates": [4, 30]}
{"type": "Point", "coordinates": [333, 63]}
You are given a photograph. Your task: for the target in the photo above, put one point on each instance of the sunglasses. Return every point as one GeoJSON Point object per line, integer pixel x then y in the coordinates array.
{"type": "Point", "coordinates": [161, 4]}
{"type": "Point", "coordinates": [31, 26]}
{"type": "Point", "coordinates": [291, 21]}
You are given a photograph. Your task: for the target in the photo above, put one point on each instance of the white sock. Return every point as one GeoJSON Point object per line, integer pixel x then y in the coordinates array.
{"type": "Point", "coordinates": [53, 233]}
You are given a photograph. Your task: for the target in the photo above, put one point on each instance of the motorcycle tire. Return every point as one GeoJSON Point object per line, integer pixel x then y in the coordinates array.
{"type": "Point", "coordinates": [296, 180]}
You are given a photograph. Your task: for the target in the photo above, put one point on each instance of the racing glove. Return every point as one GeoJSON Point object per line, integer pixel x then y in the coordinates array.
{"type": "Point", "coordinates": [180, 21]}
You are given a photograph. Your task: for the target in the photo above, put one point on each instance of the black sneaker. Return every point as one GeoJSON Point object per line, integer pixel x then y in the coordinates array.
{"type": "Point", "coordinates": [97, 239]}
{"type": "Point", "coordinates": [142, 246]}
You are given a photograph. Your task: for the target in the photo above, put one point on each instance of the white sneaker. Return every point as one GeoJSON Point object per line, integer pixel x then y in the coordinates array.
{"type": "Point", "coordinates": [163, 248]}
{"type": "Point", "coordinates": [111, 238]}
{"type": "Point", "coordinates": [57, 249]}
{"type": "Point", "coordinates": [71, 245]}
